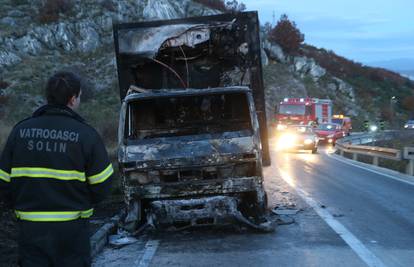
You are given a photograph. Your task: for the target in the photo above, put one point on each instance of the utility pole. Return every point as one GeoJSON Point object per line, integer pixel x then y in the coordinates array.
{"type": "Point", "coordinates": [274, 19]}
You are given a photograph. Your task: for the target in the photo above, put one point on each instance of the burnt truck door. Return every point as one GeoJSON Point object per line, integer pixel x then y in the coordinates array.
{"type": "Point", "coordinates": [198, 52]}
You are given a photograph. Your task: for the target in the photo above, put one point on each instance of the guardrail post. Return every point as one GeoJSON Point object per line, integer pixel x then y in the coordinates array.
{"type": "Point", "coordinates": [409, 155]}
{"type": "Point", "coordinates": [375, 161]}
{"type": "Point", "coordinates": [355, 156]}
{"type": "Point", "coordinates": [410, 167]}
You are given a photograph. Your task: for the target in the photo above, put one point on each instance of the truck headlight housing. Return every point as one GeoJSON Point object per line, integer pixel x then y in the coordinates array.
{"type": "Point", "coordinates": [373, 128]}
{"type": "Point", "coordinates": [138, 177]}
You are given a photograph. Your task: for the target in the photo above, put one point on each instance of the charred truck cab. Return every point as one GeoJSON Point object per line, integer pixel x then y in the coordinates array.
{"type": "Point", "coordinates": [192, 124]}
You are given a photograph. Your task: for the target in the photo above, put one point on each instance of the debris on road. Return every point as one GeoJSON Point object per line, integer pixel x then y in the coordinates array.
{"type": "Point", "coordinates": [120, 240]}
{"type": "Point", "coordinates": [285, 211]}
{"type": "Point", "coordinates": [284, 220]}
{"type": "Point", "coordinates": [284, 214]}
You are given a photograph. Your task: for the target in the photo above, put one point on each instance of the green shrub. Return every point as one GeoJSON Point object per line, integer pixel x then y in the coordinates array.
{"type": "Point", "coordinates": [287, 35]}
{"type": "Point", "coordinates": [53, 8]}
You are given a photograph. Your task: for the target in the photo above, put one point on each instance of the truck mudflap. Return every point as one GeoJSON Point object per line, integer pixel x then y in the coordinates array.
{"type": "Point", "coordinates": [206, 211]}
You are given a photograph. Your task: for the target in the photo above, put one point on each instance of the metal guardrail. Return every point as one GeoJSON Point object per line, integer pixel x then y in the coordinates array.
{"type": "Point", "coordinates": [354, 145]}
{"type": "Point", "coordinates": [375, 152]}
{"type": "Point", "coordinates": [364, 138]}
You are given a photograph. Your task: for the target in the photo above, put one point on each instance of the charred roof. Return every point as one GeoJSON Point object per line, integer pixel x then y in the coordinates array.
{"type": "Point", "coordinates": [186, 92]}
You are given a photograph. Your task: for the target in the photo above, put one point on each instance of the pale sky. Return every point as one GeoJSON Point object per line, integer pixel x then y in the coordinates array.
{"type": "Point", "coordinates": [364, 31]}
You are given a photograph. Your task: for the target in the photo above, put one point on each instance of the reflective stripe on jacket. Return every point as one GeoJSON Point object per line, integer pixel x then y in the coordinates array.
{"type": "Point", "coordinates": [52, 216]}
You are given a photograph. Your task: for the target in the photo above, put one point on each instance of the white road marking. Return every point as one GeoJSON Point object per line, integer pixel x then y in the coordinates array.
{"type": "Point", "coordinates": [356, 245]}
{"type": "Point", "coordinates": [149, 252]}
{"type": "Point", "coordinates": [371, 170]}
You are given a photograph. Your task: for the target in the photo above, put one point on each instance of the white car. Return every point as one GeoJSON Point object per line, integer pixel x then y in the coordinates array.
{"type": "Point", "coordinates": [409, 124]}
{"type": "Point", "coordinates": [298, 137]}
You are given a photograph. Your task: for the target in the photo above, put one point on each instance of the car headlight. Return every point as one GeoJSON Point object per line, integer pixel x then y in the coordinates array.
{"type": "Point", "coordinates": [373, 128]}
{"type": "Point", "coordinates": [406, 126]}
{"type": "Point", "coordinates": [286, 141]}
{"type": "Point", "coordinates": [281, 127]}
{"type": "Point", "coordinates": [308, 141]}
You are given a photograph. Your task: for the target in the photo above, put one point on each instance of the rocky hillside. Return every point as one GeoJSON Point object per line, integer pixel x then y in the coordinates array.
{"type": "Point", "coordinates": [38, 37]}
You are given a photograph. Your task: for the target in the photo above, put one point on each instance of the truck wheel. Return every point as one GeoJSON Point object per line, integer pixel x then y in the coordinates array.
{"type": "Point", "coordinates": [253, 204]}
{"type": "Point", "coordinates": [262, 202]}
{"type": "Point", "coordinates": [135, 216]}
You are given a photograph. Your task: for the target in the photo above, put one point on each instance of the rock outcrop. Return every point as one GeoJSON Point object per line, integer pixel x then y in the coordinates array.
{"type": "Point", "coordinates": [307, 66]}
{"type": "Point", "coordinates": [90, 29]}
{"type": "Point", "coordinates": [8, 58]}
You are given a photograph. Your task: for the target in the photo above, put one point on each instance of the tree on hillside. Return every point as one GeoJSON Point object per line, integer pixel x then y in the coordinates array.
{"type": "Point", "coordinates": [51, 10]}
{"type": "Point", "coordinates": [408, 104]}
{"type": "Point", "coordinates": [235, 6]}
{"type": "Point", "coordinates": [222, 5]}
{"type": "Point", "coordinates": [287, 35]}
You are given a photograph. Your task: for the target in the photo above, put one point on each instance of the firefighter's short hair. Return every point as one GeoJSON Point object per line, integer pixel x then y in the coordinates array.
{"type": "Point", "coordinates": [61, 87]}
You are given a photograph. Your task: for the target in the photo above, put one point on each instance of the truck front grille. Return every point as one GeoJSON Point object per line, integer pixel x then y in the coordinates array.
{"type": "Point", "coordinates": [244, 169]}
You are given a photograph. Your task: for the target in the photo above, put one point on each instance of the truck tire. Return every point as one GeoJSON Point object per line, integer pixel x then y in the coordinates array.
{"type": "Point", "coordinates": [135, 216]}
{"type": "Point", "coordinates": [253, 204]}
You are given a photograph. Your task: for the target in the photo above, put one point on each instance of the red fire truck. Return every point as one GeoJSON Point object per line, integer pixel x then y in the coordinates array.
{"type": "Point", "coordinates": [294, 111]}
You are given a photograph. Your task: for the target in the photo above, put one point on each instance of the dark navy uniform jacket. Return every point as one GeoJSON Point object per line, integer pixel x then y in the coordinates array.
{"type": "Point", "coordinates": [54, 167]}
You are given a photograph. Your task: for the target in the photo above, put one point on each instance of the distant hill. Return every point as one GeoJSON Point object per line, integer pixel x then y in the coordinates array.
{"type": "Point", "coordinates": [401, 64]}
{"type": "Point", "coordinates": [408, 73]}
{"type": "Point", "coordinates": [404, 66]}
{"type": "Point", "coordinates": [348, 69]}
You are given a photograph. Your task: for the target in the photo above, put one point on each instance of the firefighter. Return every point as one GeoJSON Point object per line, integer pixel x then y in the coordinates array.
{"type": "Point", "coordinates": [382, 125]}
{"type": "Point", "coordinates": [55, 168]}
{"type": "Point", "coordinates": [315, 123]}
{"type": "Point", "coordinates": [365, 126]}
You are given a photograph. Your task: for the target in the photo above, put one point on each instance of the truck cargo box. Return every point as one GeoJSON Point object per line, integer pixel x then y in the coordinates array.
{"type": "Point", "coordinates": [198, 53]}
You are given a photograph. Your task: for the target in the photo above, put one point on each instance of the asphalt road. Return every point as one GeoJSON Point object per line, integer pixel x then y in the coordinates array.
{"type": "Point", "coordinates": [376, 209]}
{"type": "Point", "coordinates": [347, 216]}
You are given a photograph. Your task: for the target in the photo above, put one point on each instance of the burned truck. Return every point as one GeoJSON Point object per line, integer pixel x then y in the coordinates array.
{"type": "Point", "coordinates": [192, 130]}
